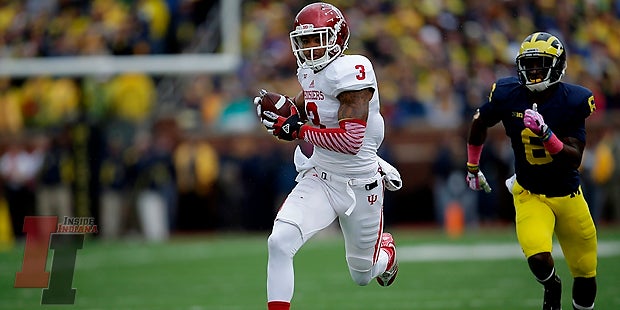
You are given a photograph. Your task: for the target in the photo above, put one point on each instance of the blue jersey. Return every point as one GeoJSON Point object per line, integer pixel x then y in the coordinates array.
{"type": "Point", "coordinates": [564, 111]}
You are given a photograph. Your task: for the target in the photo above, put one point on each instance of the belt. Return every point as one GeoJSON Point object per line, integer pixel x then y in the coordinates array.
{"type": "Point", "coordinates": [368, 183]}
{"type": "Point", "coordinates": [576, 192]}
{"type": "Point", "coordinates": [555, 195]}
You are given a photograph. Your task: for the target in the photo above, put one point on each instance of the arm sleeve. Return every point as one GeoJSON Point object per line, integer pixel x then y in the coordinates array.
{"type": "Point", "coordinates": [346, 139]}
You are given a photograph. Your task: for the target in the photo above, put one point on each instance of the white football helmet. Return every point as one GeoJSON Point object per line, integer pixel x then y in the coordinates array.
{"type": "Point", "coordinates": [326, 21]}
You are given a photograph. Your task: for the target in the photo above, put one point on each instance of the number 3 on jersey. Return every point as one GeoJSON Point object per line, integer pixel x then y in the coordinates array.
{"type": "Point", "coordinates": [312, 110]}
{"type": "Point", "coordinates": [362, 74]}
{"type": "Point", "coordinates": [535, 152]}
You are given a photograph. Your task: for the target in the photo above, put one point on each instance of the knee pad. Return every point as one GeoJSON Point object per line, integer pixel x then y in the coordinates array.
{"type": "Point", "coordinates": [285, 238]}
{"type": "Point", "coordinates": [585, 267]}
{"type": "Point", "coordinates": [360, 270]}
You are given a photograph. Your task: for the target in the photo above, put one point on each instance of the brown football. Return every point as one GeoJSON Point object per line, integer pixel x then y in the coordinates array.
{"type": "Point", "coordinates": [275, 103]}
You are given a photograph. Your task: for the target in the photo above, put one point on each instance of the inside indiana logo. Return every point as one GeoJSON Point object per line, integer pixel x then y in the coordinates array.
{"type": "Point", "coordinates": [44, 233]}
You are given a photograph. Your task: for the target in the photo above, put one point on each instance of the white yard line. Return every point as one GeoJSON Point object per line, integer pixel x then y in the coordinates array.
{"type": "Point", "coordinates": [485, 251]}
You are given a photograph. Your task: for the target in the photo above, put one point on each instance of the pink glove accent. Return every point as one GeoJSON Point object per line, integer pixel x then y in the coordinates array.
{"type": "Point", "coordinates": [477, 181]}
{"type": "Point", "coordinates": [534, 121]}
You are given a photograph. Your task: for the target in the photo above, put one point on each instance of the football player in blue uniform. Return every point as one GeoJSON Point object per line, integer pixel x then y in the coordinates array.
{"type": "Point", "coordinates": [545, 121]}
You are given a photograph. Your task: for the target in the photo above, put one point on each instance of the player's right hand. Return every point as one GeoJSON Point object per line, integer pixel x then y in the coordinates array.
{"type": "Point", "coordinates": [534, 121]}
{"type": "Point", "coordinates": [285, 128]}
{"type": "Point", "coordinates": [476, 180]}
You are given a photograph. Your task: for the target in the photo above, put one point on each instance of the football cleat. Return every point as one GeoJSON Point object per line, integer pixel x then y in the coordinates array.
{"type": "Point", "coordinates": [387, 243]}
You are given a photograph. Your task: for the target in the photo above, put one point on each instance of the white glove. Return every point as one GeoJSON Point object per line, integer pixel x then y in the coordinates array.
{"type": "Point", "coordinates": [257, 100]}
{"type": "Point", "coordinates": [510, 182]}
{"type": "Point", "coordinates": [476, 180]}
{"type": "Point", "coordinates": [391, 176]}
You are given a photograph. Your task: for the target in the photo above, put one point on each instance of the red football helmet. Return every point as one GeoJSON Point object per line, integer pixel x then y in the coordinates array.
{"type": "Point", "coordinates": [326, 21]}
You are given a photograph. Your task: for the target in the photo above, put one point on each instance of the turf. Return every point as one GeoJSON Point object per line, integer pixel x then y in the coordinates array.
{"type": "Point", "coordinates": [224, 271]}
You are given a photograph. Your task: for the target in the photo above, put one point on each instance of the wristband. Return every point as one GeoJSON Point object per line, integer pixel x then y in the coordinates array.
{"type": "Point", "coordinates": [546, 134]}
{"type": "Point", "coordinates": [552, 144]}
{"type": "Point", "coordinates": [473, 168]}
{"type": "Point", "coordinates": [473, 154]}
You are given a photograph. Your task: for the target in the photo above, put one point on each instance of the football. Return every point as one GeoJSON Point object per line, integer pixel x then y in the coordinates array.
{"type": "Point", "coordinates": [276, 103]}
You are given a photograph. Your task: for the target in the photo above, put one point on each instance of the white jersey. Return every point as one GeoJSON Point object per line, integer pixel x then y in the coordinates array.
{"type": "Point", "coordinates": [345, 73]}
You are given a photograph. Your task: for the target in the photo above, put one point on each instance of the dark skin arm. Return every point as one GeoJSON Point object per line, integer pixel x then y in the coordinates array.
{"type": "Point", "coordinates": [572, 152]}
{"type": "Point", "coordinates": [354, 104]}
{"type": "Point", "coordinates": [300, 104]}
{"type": "Point", "coordinates": [477, 132]}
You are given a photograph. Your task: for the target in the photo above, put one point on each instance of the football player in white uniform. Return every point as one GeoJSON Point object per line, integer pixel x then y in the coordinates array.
{"type": "Point", "coordinates": [337, 112]}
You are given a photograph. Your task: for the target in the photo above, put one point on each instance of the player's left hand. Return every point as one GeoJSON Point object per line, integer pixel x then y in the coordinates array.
{"type": "Point", "coordinates": [534, 121]}
{"type": "Point", "coordinates": [476, 179]}
{"type": "Point", "coordinates": [257, 100]}
{"type": "Point", "coordinates": [285, 128]}
{"type": "Point", "coordinates": [391, 176]}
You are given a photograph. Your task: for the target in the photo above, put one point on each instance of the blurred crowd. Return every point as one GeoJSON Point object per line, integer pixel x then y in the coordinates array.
{"type": "Point", "coordinates": [159, 154]}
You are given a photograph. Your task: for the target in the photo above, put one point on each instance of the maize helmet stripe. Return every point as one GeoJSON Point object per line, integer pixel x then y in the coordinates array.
{"type": "Point", "coordinates": [541, 42]}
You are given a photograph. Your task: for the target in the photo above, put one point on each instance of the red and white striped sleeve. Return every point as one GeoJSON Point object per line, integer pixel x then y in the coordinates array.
{"type": "Point", "coordinates": [347, 139]}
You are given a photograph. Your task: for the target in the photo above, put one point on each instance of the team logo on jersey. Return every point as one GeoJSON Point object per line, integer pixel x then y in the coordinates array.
{"type": "Point", "coordinates": [286, 128]}
{"type": "Point", "coordinates": [311, 84]}
{"type": "Point", "coordinates": [372, 199]}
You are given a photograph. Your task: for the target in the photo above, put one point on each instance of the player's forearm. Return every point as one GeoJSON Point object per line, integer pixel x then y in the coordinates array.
{"type": "Point", "coordinates": [346, 139]}
{"type": "Point", "coordinates": [300, 104]}
{"type": "Point", "coordinates": [571, 152]}
{"type": "Point", "coordinates": [477, 133]}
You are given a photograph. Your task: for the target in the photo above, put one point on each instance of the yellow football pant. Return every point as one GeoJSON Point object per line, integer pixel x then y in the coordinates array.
{"type": "Point", "coordinates": [538, 217]}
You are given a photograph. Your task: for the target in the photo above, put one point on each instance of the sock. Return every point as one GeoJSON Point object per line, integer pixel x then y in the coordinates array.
{"type": "Point", "coordinates": [578, 307]}
{"type": "Point", "coordinates": [381, 265]}
{"type": "Point", "coordinates": [278, 305]}
{"type": "Point", "coordinates": [584, 293]}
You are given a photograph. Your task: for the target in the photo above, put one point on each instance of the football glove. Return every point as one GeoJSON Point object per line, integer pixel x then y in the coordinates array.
{"type": "Point", "coordinates": [391, 176]}
{"type": "Point", "coordinates": [535, 122]}
{"type": "Point", "coordinates": [257, 104]}
{"type": "Point", "coordinates": [285, 128]}
{"type": "Point", "coordinates": [476, 180]}
{"type": "Point", "coordinates": [510, 182]}
{"type": "Point", "coordinates": [257, 101]}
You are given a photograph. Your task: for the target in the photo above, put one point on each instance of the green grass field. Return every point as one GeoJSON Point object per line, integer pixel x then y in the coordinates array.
{"type": "Point", "coordinates": [481, 270]}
